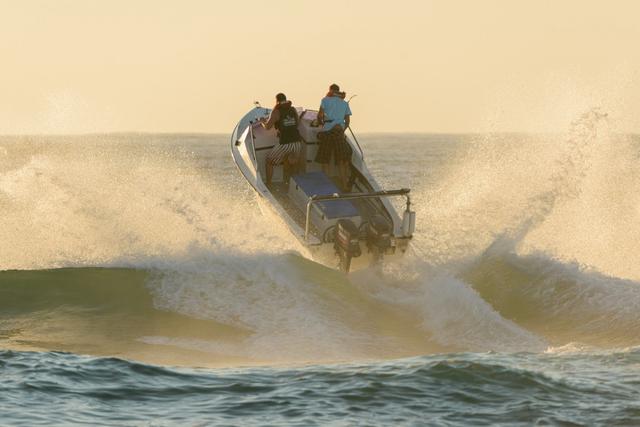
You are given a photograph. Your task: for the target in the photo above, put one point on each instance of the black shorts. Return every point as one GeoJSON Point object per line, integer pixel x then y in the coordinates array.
{"type": "Point", "coordinates": [333, 143]}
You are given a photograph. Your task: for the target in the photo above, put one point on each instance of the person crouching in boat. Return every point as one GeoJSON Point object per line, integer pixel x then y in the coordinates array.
{"type": "Point", "coordinates": [284, 118]}
{"type": "Point", "coordinates": [335, 115]}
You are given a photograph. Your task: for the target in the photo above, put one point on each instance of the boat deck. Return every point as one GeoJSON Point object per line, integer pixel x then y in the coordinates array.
{"type": "Point", "coordinates": [280, 190]}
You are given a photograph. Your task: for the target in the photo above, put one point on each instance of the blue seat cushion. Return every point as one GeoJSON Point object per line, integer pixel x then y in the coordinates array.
{"type": "Point", "coordinates": [319, 184]}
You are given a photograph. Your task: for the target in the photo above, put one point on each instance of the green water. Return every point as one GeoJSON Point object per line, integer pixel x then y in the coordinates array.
{"type": "Point", "coordinates": [141, 285]}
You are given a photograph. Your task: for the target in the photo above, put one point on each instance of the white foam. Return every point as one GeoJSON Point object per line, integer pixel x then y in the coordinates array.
{"type": "Point", "coordinates": [287, 317]}
{"type": "Point", "coordinates": [450, 311]}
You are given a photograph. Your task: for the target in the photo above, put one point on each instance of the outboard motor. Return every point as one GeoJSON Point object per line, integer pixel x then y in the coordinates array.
{"type": "Point", "coordinates": [379, 236]}
{"type": "Point", "coordinates": [346, 243]}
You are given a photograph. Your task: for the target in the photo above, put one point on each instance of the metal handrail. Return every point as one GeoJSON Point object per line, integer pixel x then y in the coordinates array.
{"type": "Point", "coordinates": [336, 196]}
{"type": "Point", "coordinates": [252, 123]}
{"type": "Point", "coordinates": [357, 143]}
{"type": "Point", "coordinates": [253, 144]}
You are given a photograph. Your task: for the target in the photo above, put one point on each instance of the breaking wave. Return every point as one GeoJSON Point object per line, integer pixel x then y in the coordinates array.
{"type": "Point", "coordinates": [151, 247]}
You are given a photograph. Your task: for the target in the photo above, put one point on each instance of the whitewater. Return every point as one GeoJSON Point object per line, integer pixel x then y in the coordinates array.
{"type": "Point", "coordinates": [137, 271]}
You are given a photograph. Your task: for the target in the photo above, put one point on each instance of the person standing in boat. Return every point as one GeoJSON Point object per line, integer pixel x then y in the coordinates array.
{"type": "Point", "coordinates": [284, 117]}
{"type": "Point", "coordinates": [334, 115]}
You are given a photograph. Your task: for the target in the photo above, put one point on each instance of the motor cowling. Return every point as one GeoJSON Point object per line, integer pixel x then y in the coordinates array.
{"type": "Point", "coordinates": [346, 242]}
{"type": "Point", "coordinates": [346, 237]}
{"type": "Point", "coordinates": [379, 234]}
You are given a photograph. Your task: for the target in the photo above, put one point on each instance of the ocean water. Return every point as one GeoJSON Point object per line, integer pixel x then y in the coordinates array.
{"type": "Point", "coordinates": [140, 284]}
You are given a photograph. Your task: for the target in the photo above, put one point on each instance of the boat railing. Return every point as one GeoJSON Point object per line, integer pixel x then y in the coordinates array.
{"type": "Point", "coordinates": [357, 143]}
{"type": "Point", "coordinates": [351, 196]}
{"type": "Point", "coordinates": [253, 145]}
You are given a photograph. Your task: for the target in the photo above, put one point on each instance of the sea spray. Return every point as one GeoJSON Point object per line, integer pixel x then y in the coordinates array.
{"type": "Point", "coordinates": [209, 281]}
{"type": "Point", "coordinates": [122, 201]}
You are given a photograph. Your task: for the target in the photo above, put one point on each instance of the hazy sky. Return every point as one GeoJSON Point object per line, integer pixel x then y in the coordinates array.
{"type": "Point", "coordinates": [416, 65]}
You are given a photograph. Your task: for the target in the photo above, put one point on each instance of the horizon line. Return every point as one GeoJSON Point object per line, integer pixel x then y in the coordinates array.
{"type": "Point", "coordinates": [167, 133]}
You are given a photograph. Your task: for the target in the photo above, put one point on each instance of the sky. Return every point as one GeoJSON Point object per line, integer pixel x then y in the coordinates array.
{"type": "Point", "coordinates": [78, 66]}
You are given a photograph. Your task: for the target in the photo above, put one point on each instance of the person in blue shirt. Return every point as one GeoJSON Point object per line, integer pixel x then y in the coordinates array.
{"type": "Point", "coordinates": [335, 117]}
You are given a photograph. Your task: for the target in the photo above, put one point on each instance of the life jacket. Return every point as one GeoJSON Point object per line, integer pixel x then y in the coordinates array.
{"type": "Point", "coordinates": [287, 125]}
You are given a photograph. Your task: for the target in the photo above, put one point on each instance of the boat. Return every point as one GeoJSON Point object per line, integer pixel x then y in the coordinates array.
{"type": "Point", "coordinates": [347, 230]}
